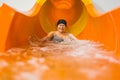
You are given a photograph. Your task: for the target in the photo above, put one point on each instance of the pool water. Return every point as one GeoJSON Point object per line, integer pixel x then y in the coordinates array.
{"type": "Point", "coordinates": [80, 60]}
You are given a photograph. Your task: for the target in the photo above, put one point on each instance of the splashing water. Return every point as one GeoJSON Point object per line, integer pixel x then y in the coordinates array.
{"type": "Point", "coordinates": [80, 60]}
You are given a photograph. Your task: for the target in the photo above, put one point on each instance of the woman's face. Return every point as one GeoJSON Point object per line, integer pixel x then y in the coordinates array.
{"type": "Point", "coordinates": [61, 27]}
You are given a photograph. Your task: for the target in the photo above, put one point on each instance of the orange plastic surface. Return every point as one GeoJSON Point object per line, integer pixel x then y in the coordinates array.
{"type": "Point", "coordinates": [17, 27]}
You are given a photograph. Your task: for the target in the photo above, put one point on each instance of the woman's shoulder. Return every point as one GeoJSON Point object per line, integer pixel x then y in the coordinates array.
{"type": "Point", "coordinates": [52, 32]}
{"type": "Point", "coordinates": [67, 33]}
{"type": "Point", "coordinates": [70, 34]}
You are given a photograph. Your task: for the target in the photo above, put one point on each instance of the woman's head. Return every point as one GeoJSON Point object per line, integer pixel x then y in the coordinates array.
{"type": "Point", "coordinates": [61, 21]}
{"type": "Point", "coordinates": [61, 24]}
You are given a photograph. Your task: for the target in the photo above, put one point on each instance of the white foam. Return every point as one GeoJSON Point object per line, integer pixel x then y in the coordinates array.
{"type": "Point", "coordinates": [85, 57]}
{"type": "Point", "coordinates": [81, 48]}
{"type": "Point", "coordinates": [3, 64]}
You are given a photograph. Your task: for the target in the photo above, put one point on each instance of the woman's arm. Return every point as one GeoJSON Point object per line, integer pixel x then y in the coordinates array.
{"type": "Point", "coordinates": [72, 37]}
{"type": "Point", "coordinates": [35, 41]}
{"type": "Point", "coordinates": [48, 37]}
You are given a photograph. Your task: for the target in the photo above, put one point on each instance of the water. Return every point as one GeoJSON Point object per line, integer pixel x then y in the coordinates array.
{"type": "Point", "coordinates": [80, 60]}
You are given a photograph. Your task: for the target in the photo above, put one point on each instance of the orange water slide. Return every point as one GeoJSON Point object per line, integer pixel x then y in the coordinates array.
{"type": "Point", "coordinates": [83, 21]}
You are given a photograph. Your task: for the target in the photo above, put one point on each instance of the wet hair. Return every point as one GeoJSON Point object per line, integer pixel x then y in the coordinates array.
{"type": "Point", "coordinates": [61, 21]}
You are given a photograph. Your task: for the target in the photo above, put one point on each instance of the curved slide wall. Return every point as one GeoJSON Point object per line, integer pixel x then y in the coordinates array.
{"type": "Point", "coordinates": [87, 20]}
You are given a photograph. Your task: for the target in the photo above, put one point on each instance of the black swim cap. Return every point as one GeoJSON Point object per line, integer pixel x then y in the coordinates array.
{"type": "Point", "coordinates": [62, 21]}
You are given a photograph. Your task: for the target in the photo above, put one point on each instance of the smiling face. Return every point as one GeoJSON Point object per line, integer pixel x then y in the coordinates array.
{"type": "Point", "coordinates": [61, 28]}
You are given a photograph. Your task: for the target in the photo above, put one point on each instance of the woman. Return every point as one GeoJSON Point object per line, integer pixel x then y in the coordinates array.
{"type": "Point", "coordinates": [60, 35]}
